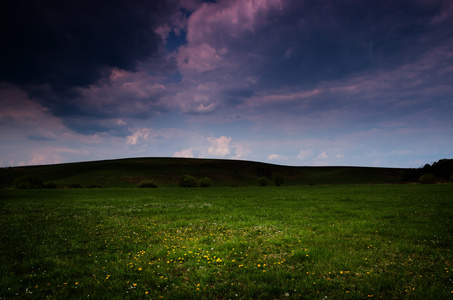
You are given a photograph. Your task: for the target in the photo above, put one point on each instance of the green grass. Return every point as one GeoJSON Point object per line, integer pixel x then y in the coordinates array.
{"type": "Point", "coordinates": [319, 242]}
{"type": "Point", "coordinates": [166, 172]}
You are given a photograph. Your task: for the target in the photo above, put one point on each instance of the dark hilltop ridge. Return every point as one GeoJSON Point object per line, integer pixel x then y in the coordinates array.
{"type": "Point", "coordinates": [167, 172]}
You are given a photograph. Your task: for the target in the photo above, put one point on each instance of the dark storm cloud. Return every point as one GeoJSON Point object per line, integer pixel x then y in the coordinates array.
{"type": "Point", "coordinates": [65, 44]}
{"type": "Point", "coordinates": [234, 97]}
{"type": "Point", "coordinates": [292, 81]}
{"type": "Point", "coordinates": [312, 41]}
{"type": "Point", "coordinates": [91, 125]}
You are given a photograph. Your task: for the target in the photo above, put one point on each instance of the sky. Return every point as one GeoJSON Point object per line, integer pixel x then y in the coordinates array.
{"type": "Point", "coordinates": [290, 82]}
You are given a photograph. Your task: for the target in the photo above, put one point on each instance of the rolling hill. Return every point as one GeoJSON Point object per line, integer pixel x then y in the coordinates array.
{"type": "Point", "coordinates": [166, 172]}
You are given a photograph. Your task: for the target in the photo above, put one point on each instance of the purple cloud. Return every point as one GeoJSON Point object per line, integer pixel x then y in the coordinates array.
{"type": "Point", "coordinates": [294, 82]}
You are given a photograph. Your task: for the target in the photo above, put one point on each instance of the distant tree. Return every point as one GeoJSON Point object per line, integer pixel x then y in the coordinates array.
{"type": "Point", "coordinates": [426, 169]}
{"type": "Point", "coordinates": [441, 170]}
{"type": "Point", "coordinates": [263, 181]}
{"type": "Point", "coordinates": [188, 181]}
{"type": "Point", "coordinates": [147, 184]}
{"type": "Point", "coordinates": [28, 182]}
{"type": "Point", "coordinates": [427, 178]}
{"type": "Point", "coordinates": [205, 182]}
{"type": "Point", "coordinates": [279, 179]}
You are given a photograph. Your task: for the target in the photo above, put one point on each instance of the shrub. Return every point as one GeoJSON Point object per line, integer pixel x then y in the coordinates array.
{"type": "Point", "coordinates": [28, 182]}
{"type": "Point", "coordinates": [279, 179]}
{"type": "Point", "coordinates": [263, 181]}
{"type": "Point", "coordinates": [427, 178]}
{"type": "Point", "coordinates": [147, 184]}
{"type": "Point", "coordinates": [188, 181]}
{"type": "Point", "coordinates": [49, 185]}
{"type": "Point", "coordinates": [205, 182]}
{"type": "Point", "coordinates": [74, 186]}
{"type": "Point", "coordinates": [94, 186]}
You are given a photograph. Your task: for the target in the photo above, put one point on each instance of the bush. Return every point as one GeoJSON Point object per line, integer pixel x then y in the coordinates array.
{"type": "Point", "coordinates": [188, 181]}
{"type": "Point", "coordinates": [205, 182]}
{"type": "Point", "coordinates": [94, 186]}
{"type": "Point", "coordinates": [28, 182]}
{"type": "Point", "coordinates": [74, 186]}
{"type": "Point", "coordinates": [279, 179]}
{"type": "Point", "coordinates": [147, 184]}
{"type": "Point", "coordinates": [49, 185]}
{"type": "Point", "coordinates": [427, 178]}
{"type": "Point", "coordinates": [263, 181]}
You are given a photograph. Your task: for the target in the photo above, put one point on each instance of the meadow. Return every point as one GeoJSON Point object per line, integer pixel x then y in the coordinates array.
{"type": "Point", "coordinates": [310, 242]}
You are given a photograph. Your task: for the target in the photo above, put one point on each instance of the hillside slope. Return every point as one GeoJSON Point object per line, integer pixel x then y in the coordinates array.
{"type": "Point", "coordinates": [167, 172]}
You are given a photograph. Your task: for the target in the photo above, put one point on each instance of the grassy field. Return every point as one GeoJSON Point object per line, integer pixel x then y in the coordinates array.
{"type": "Point", "coordinates": [318, 242]}
{"type": "Point", "coordinates": [166, 172]}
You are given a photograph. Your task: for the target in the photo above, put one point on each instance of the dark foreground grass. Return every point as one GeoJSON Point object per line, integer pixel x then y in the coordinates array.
{"type": "Point", "coordinates": [320, 242]}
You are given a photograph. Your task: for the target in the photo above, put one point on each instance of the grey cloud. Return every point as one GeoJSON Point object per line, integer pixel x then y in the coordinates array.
{"type": "Point", "coordinates": [304, 45]}
{"type": "Point", "coordinates": [74, 43]}
{"type": "Point", "coordinates": [236, 96]}
{"type": "Point", "coordinates": [89, 125]}
{"type": "Point", "coordinates": [56, 49]}
{"type": "Point", "coordinates": [62, 53]}
{"type": "Point", "coordinates": [313, 41]}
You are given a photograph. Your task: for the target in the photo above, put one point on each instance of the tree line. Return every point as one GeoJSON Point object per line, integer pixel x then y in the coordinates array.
{"type": "Point", "coordinates": [440, 171]}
